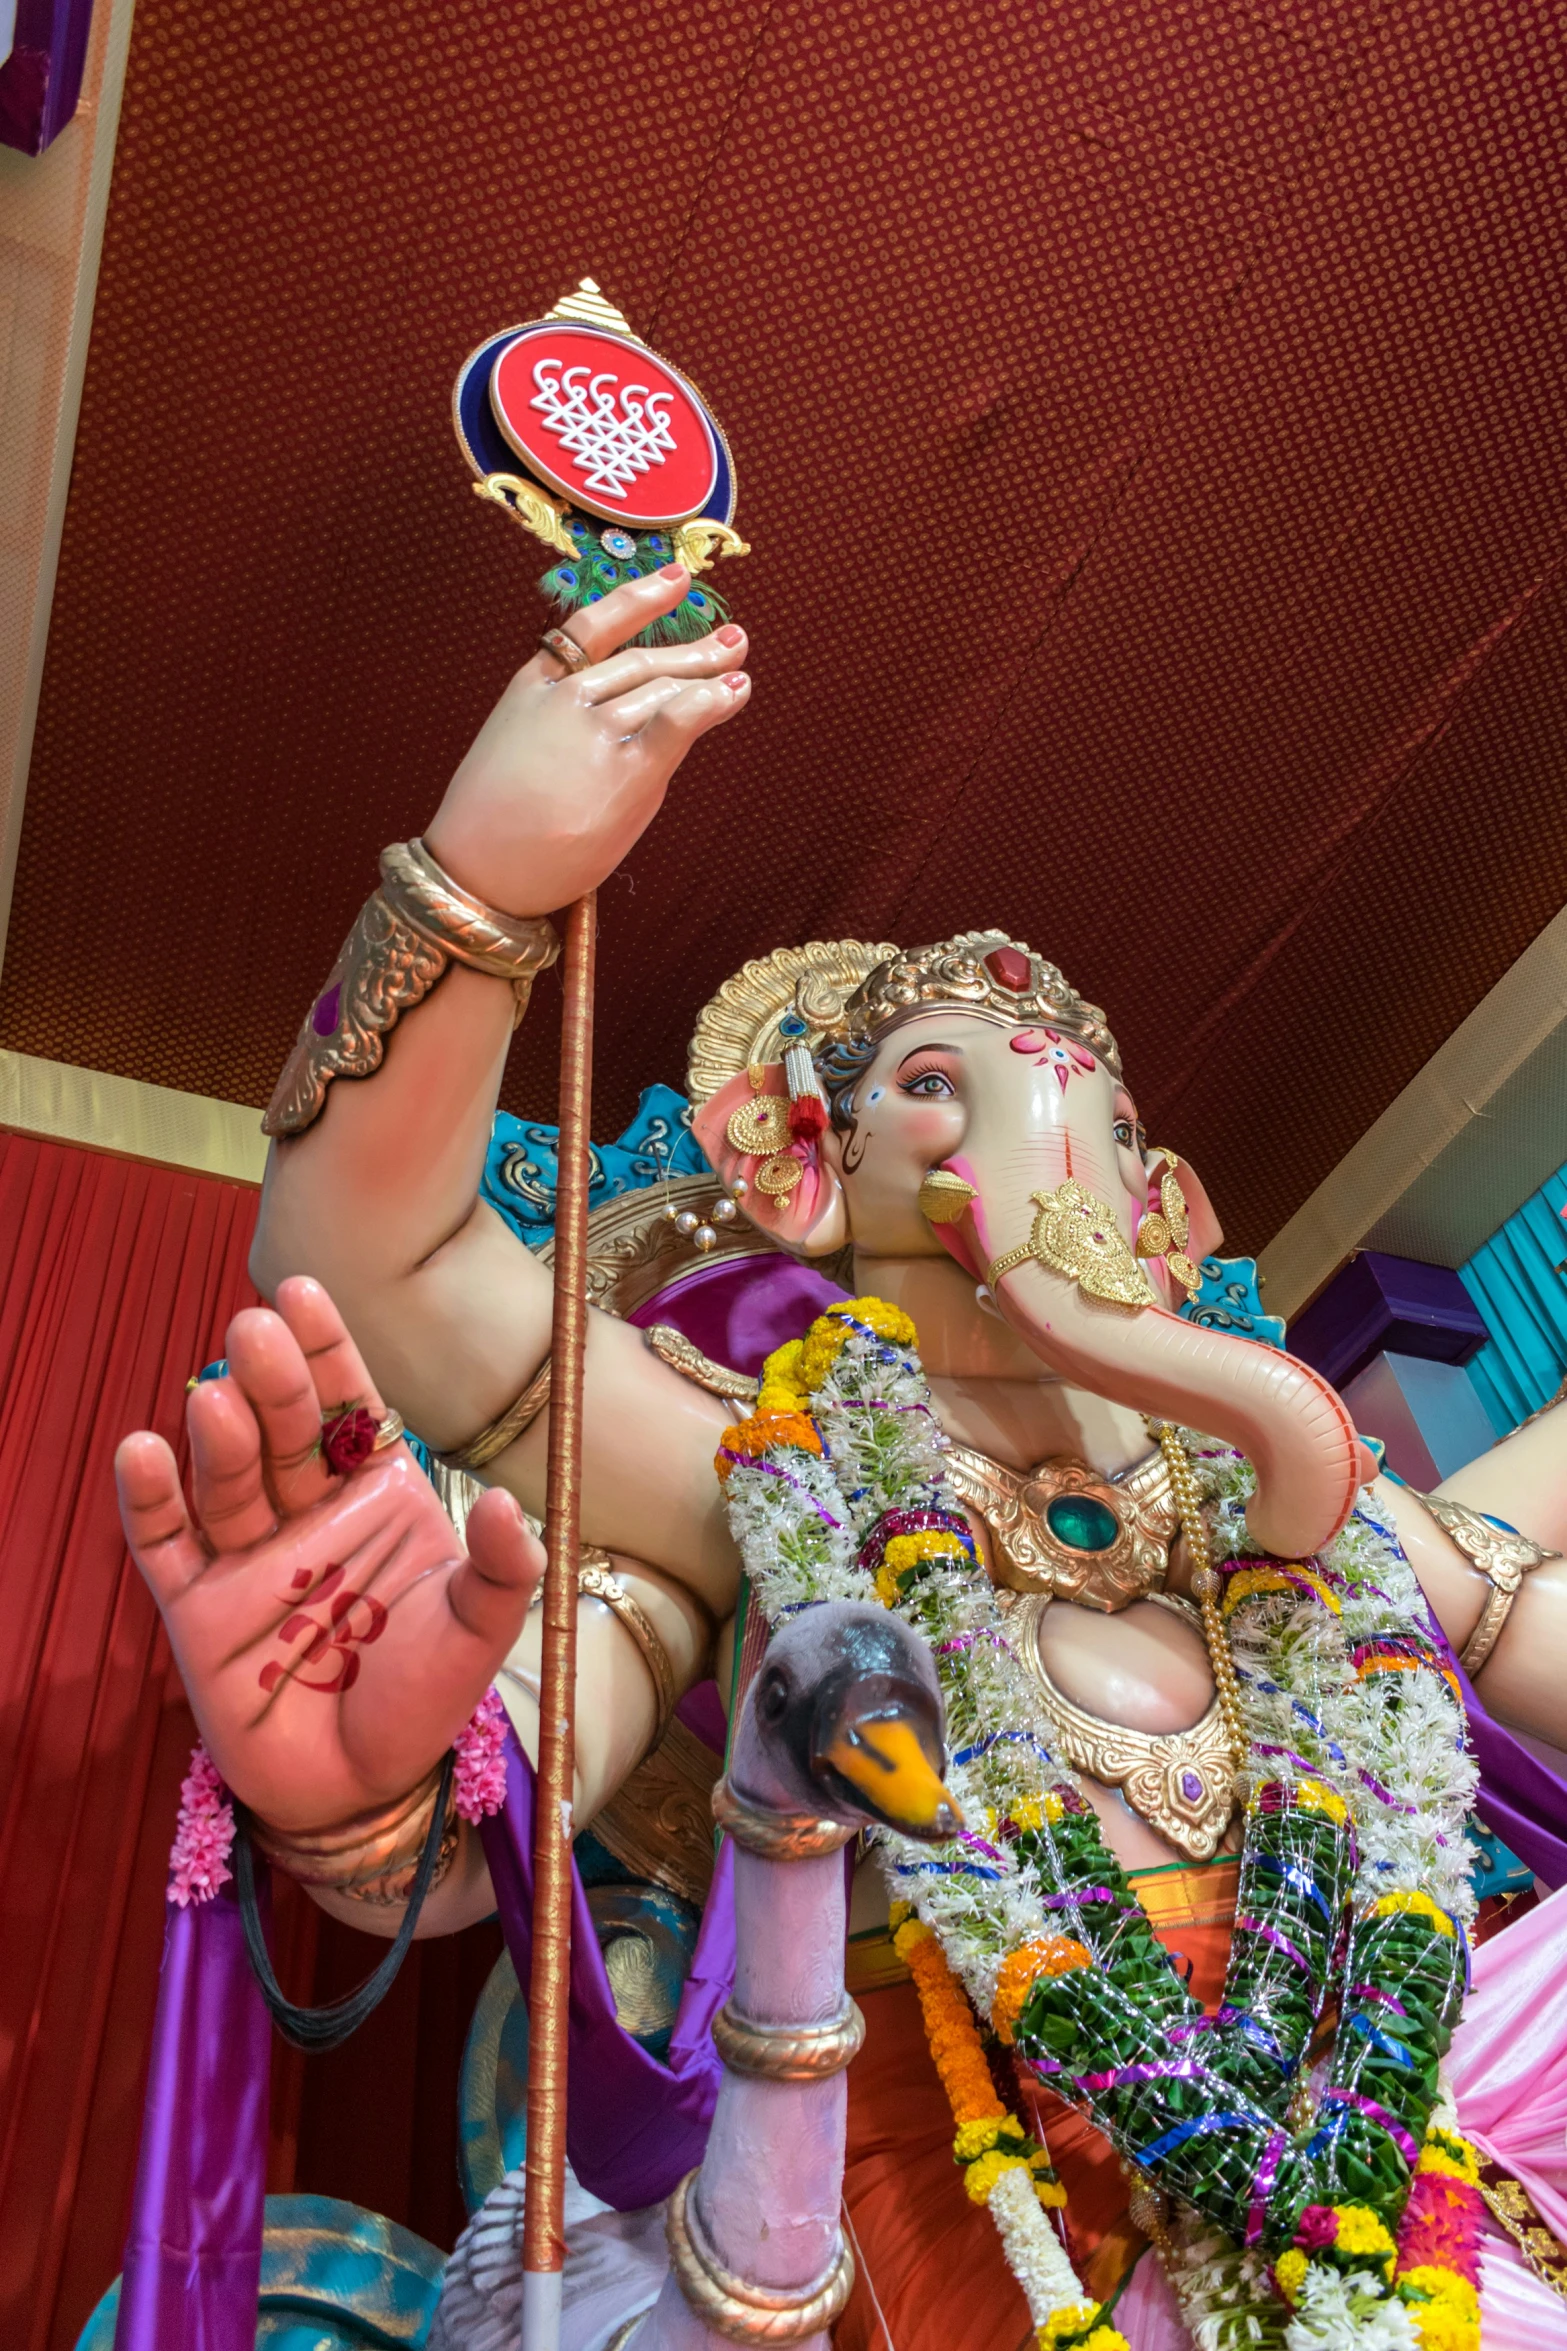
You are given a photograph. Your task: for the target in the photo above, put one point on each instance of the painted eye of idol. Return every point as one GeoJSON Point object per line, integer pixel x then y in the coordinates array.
{"type": "Point", "coordinates": [1131, 1134]}
{"type": "Point", "coordinates": [927, 1076]}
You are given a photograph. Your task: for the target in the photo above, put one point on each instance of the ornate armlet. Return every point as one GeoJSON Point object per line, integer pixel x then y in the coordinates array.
{"type": "Point", "coordinates": [374, 1858]}
{"type": "Point", "coordinates": [1503, 1557]}
{"type": "Point", "coordinates": [409, 932]}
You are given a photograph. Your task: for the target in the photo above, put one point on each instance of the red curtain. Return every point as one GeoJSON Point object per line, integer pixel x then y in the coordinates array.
{"type": "Point", "coordinates": [117, 1280]}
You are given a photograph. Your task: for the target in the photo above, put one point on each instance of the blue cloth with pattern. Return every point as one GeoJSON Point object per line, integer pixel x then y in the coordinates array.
{"type": "Point", "coordinates": [519, 1168]}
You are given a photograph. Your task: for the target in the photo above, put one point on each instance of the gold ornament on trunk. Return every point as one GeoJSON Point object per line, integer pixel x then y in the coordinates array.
{"type": "Point", "coordinates": [1076, 1234]}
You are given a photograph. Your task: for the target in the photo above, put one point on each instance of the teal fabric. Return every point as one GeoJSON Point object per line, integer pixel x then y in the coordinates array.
{"type": "Point", "coordinates": [1516, 1282]}
{"type": "Point", "coordinates": [519, 1171]}
{"type": "Point", "coordinates": [1229, 1298]}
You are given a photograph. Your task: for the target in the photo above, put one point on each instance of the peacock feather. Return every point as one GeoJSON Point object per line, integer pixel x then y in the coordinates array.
{"type": "Point", "coordinates": [607, 557]}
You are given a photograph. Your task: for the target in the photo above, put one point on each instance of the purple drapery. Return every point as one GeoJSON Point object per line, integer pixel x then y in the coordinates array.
{"type": "Point", "coordinates": [193, 2255]}
{"type": "Point", "coordinates": [634, 2127]}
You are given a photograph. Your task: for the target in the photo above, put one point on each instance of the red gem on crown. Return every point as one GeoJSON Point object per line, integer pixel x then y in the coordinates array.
{"type": "Point", "coordinates": [1010, 968]}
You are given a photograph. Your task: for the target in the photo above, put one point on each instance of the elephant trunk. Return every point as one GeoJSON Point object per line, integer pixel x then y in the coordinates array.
{"type": "Point", "coordinates": [1286, 1420]}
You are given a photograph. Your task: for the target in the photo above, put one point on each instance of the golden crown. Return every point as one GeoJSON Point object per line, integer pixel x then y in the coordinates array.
{"type": "Point", "coordinates": [837, 999]}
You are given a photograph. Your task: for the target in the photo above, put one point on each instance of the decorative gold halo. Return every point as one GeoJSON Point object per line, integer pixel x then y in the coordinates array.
{"type": "Point", "coordinates": [738, 1027]}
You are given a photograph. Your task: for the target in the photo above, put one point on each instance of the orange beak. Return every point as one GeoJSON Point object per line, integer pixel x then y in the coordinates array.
{"type": "Point", "coordinates": [883, 1759]}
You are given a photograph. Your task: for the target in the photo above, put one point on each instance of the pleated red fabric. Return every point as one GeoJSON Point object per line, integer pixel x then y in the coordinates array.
{"type": "Point", "coordinates": [117, 1280]}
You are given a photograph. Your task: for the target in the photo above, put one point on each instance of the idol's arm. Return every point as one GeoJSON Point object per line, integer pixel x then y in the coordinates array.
{"type": "Point", "coordinates": [377, 1198]}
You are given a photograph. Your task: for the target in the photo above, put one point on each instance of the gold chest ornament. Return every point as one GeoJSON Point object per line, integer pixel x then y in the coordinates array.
{"type": "Point", "coordinates": [1064, 1532]}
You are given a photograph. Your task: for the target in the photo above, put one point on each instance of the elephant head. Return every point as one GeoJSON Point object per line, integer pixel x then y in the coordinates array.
{"type": "Point", "coordinates": [974, 1062]}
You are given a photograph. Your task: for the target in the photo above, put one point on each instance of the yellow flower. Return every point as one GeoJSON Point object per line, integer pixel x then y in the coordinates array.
{"type": "Point", "coordinates": [1031, 1812]}
{"type": "Point", "coordinates": [1453, 2157]}
{"type": "Point", "coordinates": [1443, 2308]}
{"type": "Point", "coordinates": [982, 2176]}
{"type": "Point", "coordinates": [979, 2136]}
{"type": "Point", "coordinates": [1360, 2231]}
{"type": "Point", "coordinates": [1070, 2321]}
{"type": "Point", "coordinates": [1051, 2195]}
{"type": "Point", "coordinates": [1290, 2270]}
{"type": "Point", "coordinates": [1312, 1796]}
{"type": "Point", "coordinates": [783, 1366]}
{"type": "Point", "coordinates": [1420, 1905]}
{"type": "Point", "coordinates": [907, 1934]}
{"type": "Point", "coordinates": [1051, 1956]}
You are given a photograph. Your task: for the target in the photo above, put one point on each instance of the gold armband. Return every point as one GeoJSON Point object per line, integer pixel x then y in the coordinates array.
{"type": "Point", "coordinates": [497, 1434]}
{"type": "Point", "coordinates": [372, 1858]}
{"type": "Point", "coordinates": [597, 1580]}
{"type": "Point", "coordinates": [1503, 1558]}
{"type": "Point", "coordinates": [409, 932]}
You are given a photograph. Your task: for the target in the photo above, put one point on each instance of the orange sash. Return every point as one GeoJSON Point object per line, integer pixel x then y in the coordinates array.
{"type": "Point", "coordinates": [931, 2276]}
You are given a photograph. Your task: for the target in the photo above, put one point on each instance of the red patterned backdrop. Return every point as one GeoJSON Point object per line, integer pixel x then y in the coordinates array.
{"type": "Point", "coordinates": [1150, 426]}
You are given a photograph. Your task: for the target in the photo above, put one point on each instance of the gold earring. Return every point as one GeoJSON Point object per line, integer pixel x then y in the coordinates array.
{"type": "Point", "coordinates": [1165, 1231]}
{"type": "Point", "coordinates": [760, 1129]}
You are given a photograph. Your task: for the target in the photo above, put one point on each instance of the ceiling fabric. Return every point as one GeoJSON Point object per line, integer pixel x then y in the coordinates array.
{"type": "Point", "coordinates": [1149, 425]}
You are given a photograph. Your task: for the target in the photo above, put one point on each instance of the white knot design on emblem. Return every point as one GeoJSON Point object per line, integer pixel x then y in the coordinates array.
{"type": "Point", "coordinates": [608, 449]}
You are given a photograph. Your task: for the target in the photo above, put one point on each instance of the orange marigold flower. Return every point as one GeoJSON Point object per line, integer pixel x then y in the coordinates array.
{"type": "Point", "coordinates": [1052, 1955]}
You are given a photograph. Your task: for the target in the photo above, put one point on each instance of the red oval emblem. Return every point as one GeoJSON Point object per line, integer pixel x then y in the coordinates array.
{"type": "Point", "coordinates": [606, 423]}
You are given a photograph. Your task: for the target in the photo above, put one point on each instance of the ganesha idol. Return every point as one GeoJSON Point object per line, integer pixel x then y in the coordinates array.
{"type": "Point", "coordinates": [1155, 2006]}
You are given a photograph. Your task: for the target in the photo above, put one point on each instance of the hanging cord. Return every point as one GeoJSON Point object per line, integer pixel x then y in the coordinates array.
{"type": "Point", "coordinates": [319, 2029]}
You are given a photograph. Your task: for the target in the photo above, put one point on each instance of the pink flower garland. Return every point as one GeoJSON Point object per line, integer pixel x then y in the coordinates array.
{"type": "Point", "coordinates": [204, 1833]}
{"type": "Point", "coordinates": [1438, 2277]}
{"type": "Point", "coordinates": [204, 1837]}
{"type": "Point", "coordinates": [480, 1780]}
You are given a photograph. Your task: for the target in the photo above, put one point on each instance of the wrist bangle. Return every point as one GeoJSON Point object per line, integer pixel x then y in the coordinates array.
{"type": "Point", "coordinates": [371, 1858]}
{"type": "Point", "coordinates": [409, 933]}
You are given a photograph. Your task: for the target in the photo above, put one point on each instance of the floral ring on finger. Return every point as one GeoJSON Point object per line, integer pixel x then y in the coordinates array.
{"type": "Point", "coordinates": [351, 1433]}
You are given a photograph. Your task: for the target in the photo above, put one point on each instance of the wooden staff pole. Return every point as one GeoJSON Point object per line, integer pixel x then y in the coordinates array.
{"type": "Point", "coordinates": [549, 1986]}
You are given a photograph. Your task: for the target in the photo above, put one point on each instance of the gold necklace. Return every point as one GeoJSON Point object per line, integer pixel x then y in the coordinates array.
{"type": "Point", "coordinates": [1065, 1530]}
{"type": "Point", "coordinates": [1181, 1782]}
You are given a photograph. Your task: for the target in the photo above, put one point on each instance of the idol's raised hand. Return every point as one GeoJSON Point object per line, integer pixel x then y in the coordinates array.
{"type": "Point", "coordinates": [333, 1635]}
{"type": "Point", "coordinates": [571, 767]}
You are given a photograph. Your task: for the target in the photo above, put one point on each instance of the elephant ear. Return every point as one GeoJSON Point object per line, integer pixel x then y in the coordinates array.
{"type": "Point", "coordinates": [814, 1217]}
{"type": "Point", "coordinates": [1207, 1234]}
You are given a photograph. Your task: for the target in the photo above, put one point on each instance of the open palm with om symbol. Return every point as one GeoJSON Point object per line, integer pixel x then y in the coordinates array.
{"type": "Point", "coordinates": [333, 1634]}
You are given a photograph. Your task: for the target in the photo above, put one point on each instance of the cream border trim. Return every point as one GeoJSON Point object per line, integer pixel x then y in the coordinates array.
{"type": "Point", "coordinates": [121, 1114]}
{"type": "Point", "coordinates": [1525, 1008]}
{"type": "Point", "coordinates": [52, 209]}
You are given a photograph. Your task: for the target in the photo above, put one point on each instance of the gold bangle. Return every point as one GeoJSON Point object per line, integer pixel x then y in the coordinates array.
{"type": "Point", "coordinates": [1503, 1559]}
{"type": "Point", "coordinates": [372, 1858]}
{"type": "Point", "coordinates": [773, 1835]}
{"type": "Point", "coordinates": [497, 1434]}
{"type": "Point", "coordinates": [597, 1580]}
{"type": "Point", "coordinates": [735, 2308]}
{"type": "Point", "coordinates": [408, 934]}
{"type": "Point", "coordinates": [789, 2052]}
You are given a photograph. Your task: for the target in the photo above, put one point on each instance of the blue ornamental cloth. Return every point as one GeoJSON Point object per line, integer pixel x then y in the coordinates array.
{"type": "Point", "coordinates": [519, 1168]}
{"type": "Point", "coordinates": [1229, 1298]}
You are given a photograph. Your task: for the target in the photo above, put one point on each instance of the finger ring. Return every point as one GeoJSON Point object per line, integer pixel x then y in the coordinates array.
{"type": "Point", "coordinates": [566, 649]}
{"type": "Point", "coordinates": [349, 1435]}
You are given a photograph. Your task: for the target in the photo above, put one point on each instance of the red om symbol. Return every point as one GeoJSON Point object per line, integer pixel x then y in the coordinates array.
{"type": "Point", "coordinates": [333, 1643]}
